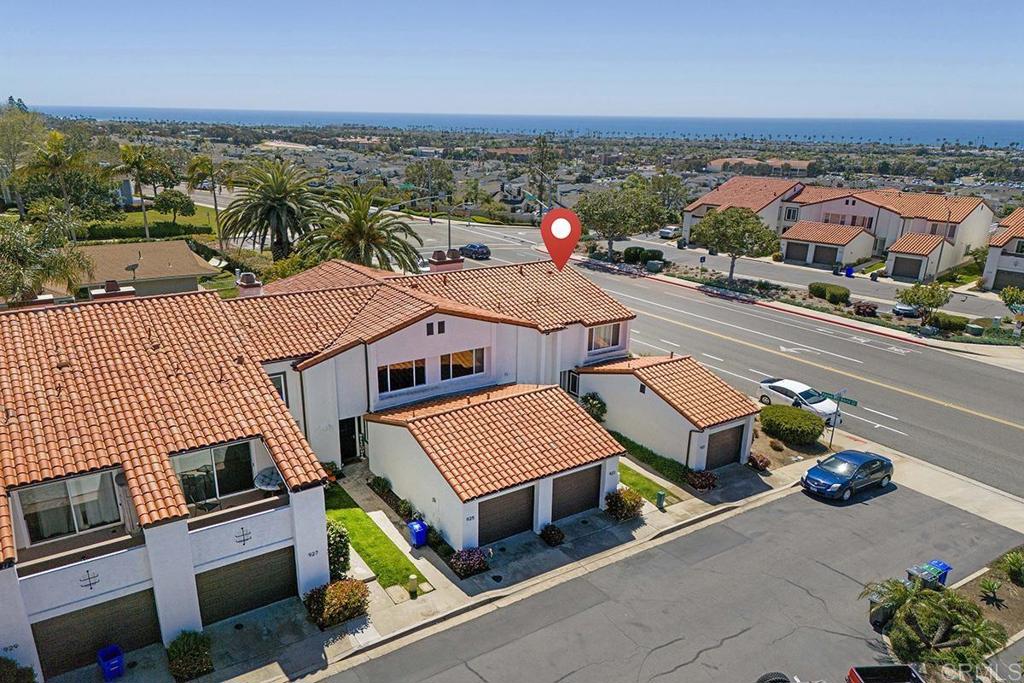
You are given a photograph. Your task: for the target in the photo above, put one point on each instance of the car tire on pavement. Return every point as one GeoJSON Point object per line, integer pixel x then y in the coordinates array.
{"type": "Point", "coordinates": [885, 482]}
{"type": "Point", "coordinates": [774, 677]}
{"type": "Point", "coordinates": [765, 400]}
{"type": "Point", "coordinates": [846, 495]}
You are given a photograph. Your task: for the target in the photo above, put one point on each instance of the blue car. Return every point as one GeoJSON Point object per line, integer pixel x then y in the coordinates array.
{"type": "Point", "coordinates": [475, 250]}
{"type": "Point", "coordinates": [845, 473]}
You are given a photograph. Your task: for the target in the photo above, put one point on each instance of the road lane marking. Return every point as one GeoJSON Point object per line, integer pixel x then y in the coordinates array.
{"type": "Point", "coordinates": [879, 412]}
{"type": "Point", "coordinates": [738, 327]}
{"type": "Point", "coordinates": [873, 423]}
{"type": "Point", "coordinates": [723, 370]}
{"type": "Point", "coordinates": [653, 346]}
{"type": "Point", "coordinates": [720, 360]}
{"type": "Point", "coordinates": [844, 373]}
{"type": "Point", "coordinates": [666, 341]}
{"type": "Point", "coordinates": [759, 372]}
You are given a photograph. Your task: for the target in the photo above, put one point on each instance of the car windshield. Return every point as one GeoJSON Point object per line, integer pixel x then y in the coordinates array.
{"type": "Point", "coordinates": [837, 465]}
{"type": "Point", "coordinates": [811, 396]}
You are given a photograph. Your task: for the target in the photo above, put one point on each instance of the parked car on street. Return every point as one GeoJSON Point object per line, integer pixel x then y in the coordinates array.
{"type": "Point", "coordinates": [906, 310]}
{"type": "Point", "coordinates": [845, 473]}
{"type": "Point", "coordinates": [475, 250]}
{"type": "Point", "coordinates": [670, 232]}
{"type": "Point", "coordinates": [798, 394]}
{"type": "Point", "coordinates": [423, 265]}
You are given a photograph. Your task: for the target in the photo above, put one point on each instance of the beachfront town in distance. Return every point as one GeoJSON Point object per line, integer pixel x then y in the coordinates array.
{"type": "Point", "coordinates": [315, 402]}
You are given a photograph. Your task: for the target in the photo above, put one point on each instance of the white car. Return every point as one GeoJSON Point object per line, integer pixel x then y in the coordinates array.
{"type": "Point", "coordinates": [793, 393]}
{"type": "Point", "coordinates": [670, 232]}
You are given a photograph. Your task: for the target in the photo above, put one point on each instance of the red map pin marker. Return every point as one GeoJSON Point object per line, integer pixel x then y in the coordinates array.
{"type": "Point", "coordinates": [561, 231]}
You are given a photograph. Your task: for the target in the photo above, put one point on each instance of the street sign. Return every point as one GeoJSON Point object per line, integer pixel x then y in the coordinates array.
{"type": "Point", "coordinates": [838, 398]}
{"type": "Point", "coordinates": [703, 259]}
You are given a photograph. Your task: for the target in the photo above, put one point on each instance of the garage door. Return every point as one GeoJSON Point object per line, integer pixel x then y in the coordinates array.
{"type": "Point", "coordinates": [246, 585]}
{"type": "Point", "coordinates": [576, 492]}
{"type": "Point", "coordinates": [724, 447]}
{"type": "Point", "coordinates": [796, 251]}
{"type": "Point", "coordinates": [1007, 278]}
{"type": "Point", "coordinates": [906, 267]}
{"type": "Point", "coordinates": [71, 640]}
{"type": "Point", "coordinates": [826, 255]}
{"type": "Point", "coordinates": [505, 515]}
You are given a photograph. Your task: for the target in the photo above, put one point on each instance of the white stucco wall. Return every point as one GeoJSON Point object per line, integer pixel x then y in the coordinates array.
{"type": "Point", "coordinates": [16, 640]}
{"type": "Point", "coordinates": [309, 534]}
{"type": "Point", "coordinates": [174, 586]}
{"type": "Point", "coordinates": [240, 539]}
{"type": "Point", "coordinates": [293, 387]}
{"type": "Point", "coordinates": [698, 455]}
{"type": "Point", "coordinates": [321, 409]}
{"type": "Point", "coordinates": [1002, 258]}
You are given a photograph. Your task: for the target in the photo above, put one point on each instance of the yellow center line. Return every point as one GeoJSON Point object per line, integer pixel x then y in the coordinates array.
{"type": "Point", "coordinates": [844, 373]}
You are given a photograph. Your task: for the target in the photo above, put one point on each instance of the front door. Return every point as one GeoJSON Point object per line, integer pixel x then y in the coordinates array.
{"type": "Point", "coordinates": [349, 439]}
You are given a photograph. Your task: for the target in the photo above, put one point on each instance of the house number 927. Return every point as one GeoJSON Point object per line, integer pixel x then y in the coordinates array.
{"type": "Point", "coordinates": [312, 553]}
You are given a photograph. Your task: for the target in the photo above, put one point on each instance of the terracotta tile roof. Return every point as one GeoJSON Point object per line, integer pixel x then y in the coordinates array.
{"type": "Point", "coordinates": [497, 438]}
{"type": "Point", "coordinates": [536, 291]}
{"type": "Point", "coordinates": [822, 233]}
{"type": "Point", "coordinates": [812, 194]}
{"type": "Point", "coordinates": [328, 275]}
{"type": "Point", "coordinates": [1013, 228]}
{"type": "Point", "coordinates": [749, 192]}
{"type": "Point", "coordinates": [128, 383]}
{"type": "Point", "coordinates": [686, 385]}
{"type": "Point", "coordinates": [917, 244]}
{"type": "Point", "coordinates": [926, 205]}
{"type": "Point", "coordinates": [7, 551]}
{"type": "Point", "coordinates": [318, 325]}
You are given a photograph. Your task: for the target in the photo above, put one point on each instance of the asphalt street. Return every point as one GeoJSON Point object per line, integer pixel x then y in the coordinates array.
{"type": "Point", "coordinates": [772, 589]}
{"type": "Point", "coordinates": [940, 406]}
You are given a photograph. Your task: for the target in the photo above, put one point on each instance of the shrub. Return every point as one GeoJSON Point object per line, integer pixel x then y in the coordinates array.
{"type": "Point", "coordinates": [113, 231]}
{"type": "Point", "coordinates": [673, 470]}
{"type": "Point", "coordinates": [705, 480]}
{"type": "Point", "coordinates": [337, 549]}
{"type": "Point", "coordinates": [791, 424]}
{"type": "Point", "coordinates": [633, 254]}
{"type": "Point", "coordinates": [405, 509]}
{"type": "Point", "coordinates": [1012, 563]}
{"type": "Point", "coordinates": [331, 468]}
{"type": "Point", "coordinates": [818, 289]}
{"type": "Point", "coordinates": [337, 602]}
{"type": "Point", "coordinates": [989, 588]}
{"type": "Point", "coordinates": [653, 255]}
{"type": "Point", "coordinates": [623, 504]}
{"type": "Point", "coordinates": [437, 543]}
{"type": "Point", "coordinates": [188, 656]}
{"type": "Point", "coordinates": [759, 462]}
{"type": "Point", "coordinates": [834, 294]}
{"type": "Point", "coordinates": [777, 256]}
{"type": "Point", "coordinates": [12, 672]}
{"type": "Point", "coordinates": [948, 322]}
{"type": "Point", "coordinates": [594, 405]}
{"type": "Point", "coordinates": [380, 485]}
{"type": "Point", "coordinates": [552, 535]}
{"type": "Point", "coordinates": [776, 445]}
{"type": "Point", "coordinates": [469, 562]}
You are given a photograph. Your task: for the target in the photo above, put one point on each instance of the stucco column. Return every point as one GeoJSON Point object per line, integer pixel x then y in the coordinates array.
{"type": "Point", "coordinates": [309, 530]}
{"type": "Point", "coordinates": [174, 580]}
{"type": "Point", "coordinates": [470, 525]}
{"type": "Point", "coordinates": [810, 253]}
{"type": "Point", "coordinates": [16, 641]}
{"type": "Point", "coordinates": [542, 497]}
{"type": "Point", "coordinates": [609, 478]}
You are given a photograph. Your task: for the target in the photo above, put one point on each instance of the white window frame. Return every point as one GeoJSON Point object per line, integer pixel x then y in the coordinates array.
{"type": "Point", "coordinates": [213, 464]}
{"type": "Point", "coordinates": [569, 380]}
{"type": "Point", "coordinates": [415, 385]}
{"type": "Point", "coordinates": [617, 335]}
{"type": "Point", "coordinates": [483, 364]}
{"type": "Point", "coordinates": [283, 390]}
{"type": "Point", "coordinates": [74, 518]}
{"type": "Point", "coordinates": [792, 213]}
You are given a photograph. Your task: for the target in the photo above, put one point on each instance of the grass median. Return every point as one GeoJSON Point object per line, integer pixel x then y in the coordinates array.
{"type": "Point", "coordinates": [642, 485]}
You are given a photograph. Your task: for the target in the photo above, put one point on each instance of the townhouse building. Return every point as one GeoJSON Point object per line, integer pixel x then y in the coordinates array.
{"type": "Point", "coordinates": [1004, 266]}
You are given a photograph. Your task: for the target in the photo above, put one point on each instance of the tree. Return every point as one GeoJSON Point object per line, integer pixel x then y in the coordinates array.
{"type": "Point", "coordinates": [19, 131]}
{"type": "Point", "coordinates": [174, 202]}
{"type": "Point", "coordinates": [473, 194]}
{"type": "Point", "coordinates": [1013, 297]}
{"type": "Point", "coordinates": [201, 170]}
{"type": "Point", "coordinates": [136, 163]}
{"type": "Point", "coordinates": [671, 193]}
{"type": "Point", "coordinates": [543, 165]}
{"type": "Point", "coordinates": [926, 298]}
{"type": "Point", "coordinates": [33, 255]}
{"type": "Point", "coordinates": [736, 232]}
{"type": "Point", "coordinates": [979, 255]}
{"type": "Point", "coordinates": [431, 177]}
{"type": "Point", "coordinates": [349, 228]}
{"type": "Point", "coordinates": [55, 160]}
{"type": "Point", "coordinates": [276, 202]}
{"type": "Point", "coordinates": [602, 216]}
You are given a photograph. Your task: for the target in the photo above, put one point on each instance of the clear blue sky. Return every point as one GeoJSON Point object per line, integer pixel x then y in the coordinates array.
{"type": "Point", "coordinates": [938, 59]}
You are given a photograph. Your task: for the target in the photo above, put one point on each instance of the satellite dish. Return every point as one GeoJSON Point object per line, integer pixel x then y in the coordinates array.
{"type": "Point", "coordinates": [131, 268]}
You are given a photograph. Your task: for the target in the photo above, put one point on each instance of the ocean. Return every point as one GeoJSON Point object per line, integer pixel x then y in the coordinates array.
{"type": "Point", "coordinates": [914, 131]}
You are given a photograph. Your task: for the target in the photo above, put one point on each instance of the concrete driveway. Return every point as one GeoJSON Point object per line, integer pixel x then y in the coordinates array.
{"type": "Point", "coordinates": [772, 589]}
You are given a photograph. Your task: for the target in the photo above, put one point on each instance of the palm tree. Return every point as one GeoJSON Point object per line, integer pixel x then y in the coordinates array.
{"type": "Point", "coordinates": [892, 594]}
{"type": "Point", "coordinates": [202, 168]}
{"type": "Point", "coordinates": [350, 228]}
{"type": "Point", "coordinates": [136, 161]}
{"type": "Point", "coordinates": [55, 159]}
{"type": "Point", "coordinates": [276, 203]}
{"type": "Point", "coordinates": [33, 255]}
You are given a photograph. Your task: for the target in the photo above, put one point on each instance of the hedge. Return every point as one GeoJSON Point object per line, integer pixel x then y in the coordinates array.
{"type": "Point", "coordinates": [948, 322]}
{"type": "Point", "coordinates": [633, 254]}
{"type": "Point", "coordinates": [12, 672]}
{"type": "Point", "coordinates": [834, 294]}
{"type": "Point", "coordinates": [114, 231]}
{"type": "Point", "coordinates": [791, 424]}
{"type": "Point", "coordinates": [653, 255]}
{"type": "Point", "coordinates": [337, 602]}
{"type": "Point", "coordinates": [337, 549]}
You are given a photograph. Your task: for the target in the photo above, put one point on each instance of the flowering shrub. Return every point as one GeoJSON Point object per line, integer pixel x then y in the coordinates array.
{"type": "Point", "coordinates": [468, 562]}
{"type": "Point", "coordinates": [594, 405]}
{"type": "Point", "coordinates": [759, 462]}
{"type": "Point", "coordinates": [337, 549]}
{"type": "Point", "coordinates": [703, 481]}
{"type": "Point", "coordinates": [552, 535]}
{"type": "Point", "coordinates": [337, 602]}
{"type": "Point", "coordinates": [623, 504]}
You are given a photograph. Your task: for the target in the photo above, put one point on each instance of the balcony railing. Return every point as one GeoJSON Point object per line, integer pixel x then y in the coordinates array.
{"type": "Point", "coordinates": [76, 548]}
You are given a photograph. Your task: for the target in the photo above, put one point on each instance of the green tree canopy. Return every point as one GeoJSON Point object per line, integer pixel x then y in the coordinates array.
{"type": "Point", "coordinates": [54, 159]}
{"type": "Point", "coordinates": [615, 214]}
{"type": "Point", "coordinates": [1013, 297]}
{"type": "Point", "coordinates": [33, 255]}
{"type": "Point", "coordinates": [20, 131]}
{"type": "Point", "coordinates": [927, 297]}
{"type": "Point", "coordinates": [433, 176]}
{"type": "Point", "coordinates": [174, 202]}
{"type": "Point", "coordinates": [137, 162]}
{"type": "Point", "coordinates": [736, 232]}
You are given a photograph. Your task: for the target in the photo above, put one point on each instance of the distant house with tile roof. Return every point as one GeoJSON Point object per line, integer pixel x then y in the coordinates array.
{"type": "Point", "coordinates": [825, 243]}
{"type": "Point", "coordinates": [1004, 266]}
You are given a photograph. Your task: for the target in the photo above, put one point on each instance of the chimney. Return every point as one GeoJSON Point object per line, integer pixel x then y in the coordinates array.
{"type": "Point", "coordinates": [248, 284]}
{"type": "Point", "coordinates": [442, 261]}
{"type": "Point", "coordinates": [111, 289]}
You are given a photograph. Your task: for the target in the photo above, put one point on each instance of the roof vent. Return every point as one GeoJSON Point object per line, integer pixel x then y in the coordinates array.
{"type": "Point", "coordinates": [248, 284]}
{"type": "Point", "coordinates": [111, 289]}
{"type": "Point", "coordinates": [111, 286]}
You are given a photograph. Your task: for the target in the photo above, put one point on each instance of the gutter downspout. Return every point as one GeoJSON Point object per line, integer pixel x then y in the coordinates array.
{"type": "Point", "coordinates": [366, 366]}
{"type": "Point", "coordinates": [302, 400]}
{"type": "Point", "coordinates": [689, 444]}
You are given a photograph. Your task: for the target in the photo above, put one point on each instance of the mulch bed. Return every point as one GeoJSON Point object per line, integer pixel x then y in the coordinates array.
{"type": "Point", "coordinates": [1008, 607]}
{"type": "Point", "coordinates": [789, 454]}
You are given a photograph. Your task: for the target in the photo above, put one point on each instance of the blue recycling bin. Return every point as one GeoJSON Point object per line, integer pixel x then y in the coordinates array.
{"type": "Point", "coordinates": [943, 569]}
{"type": "Point", "coordinates": [417, 533]}
{"type": "Point", "coordinates": [849, 271]}
{"type": "Point", "coordinates": [111, 661]}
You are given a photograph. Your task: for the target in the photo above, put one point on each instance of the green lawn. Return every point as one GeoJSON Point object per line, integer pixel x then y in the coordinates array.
{"type": "Point", "coordinates": [204, 216]}
{"type": "Point", "coordinates": [223, 284]}
{"type": "Point", "coordinates": [672, 470]}
{"type": "Point", "coordinates": [390, 565]}
{"type": "Point", "coordinates": [642, 485]}
{"type": "Point", "coordinates": [873, 267]}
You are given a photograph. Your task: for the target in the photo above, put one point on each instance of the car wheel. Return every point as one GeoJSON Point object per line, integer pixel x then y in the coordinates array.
{"type": "Point", "coordinates": [885, 482]}
{"type": "Point", "coordinates": [775, 677]}
{"type": "Point", "coordinates": [765, 400]}
{"type": "Point", "coordinates": [846, 495]}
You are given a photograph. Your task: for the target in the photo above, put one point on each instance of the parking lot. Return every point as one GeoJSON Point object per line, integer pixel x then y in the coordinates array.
{"type": "Point", "coordinates": [774, 588]}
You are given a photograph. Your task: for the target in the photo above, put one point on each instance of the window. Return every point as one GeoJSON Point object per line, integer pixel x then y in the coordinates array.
{"type": "Point", "coordinates": [462, 364]}
{"type": "Point", "coordinates": [792, 213]}
{"type": "Point", "coordinates": [951, 232]}
{"type": "Point", "coordinates": [278, 380]}
{"type": "Point", "coordinates": [213, 473]}
{"type": "Point", "coordinates": [398, 376]}
{"type": "Point", "coordinates": [643, 388]}
{"type": "Point", "coordinates": [1020, 247]}
{"type": "Point", "coordinates": [70, 506]}
{"type": "Point", "coordinates": [430, 329]}
{"type": "Point", "coordinates": [935, 228]}
{"type": "Point", "coordinates": [603, 337]}
{"type": "Point", "coordinates": [440, 327]}
{"type": "Point", "coordinates": [569, 380]}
